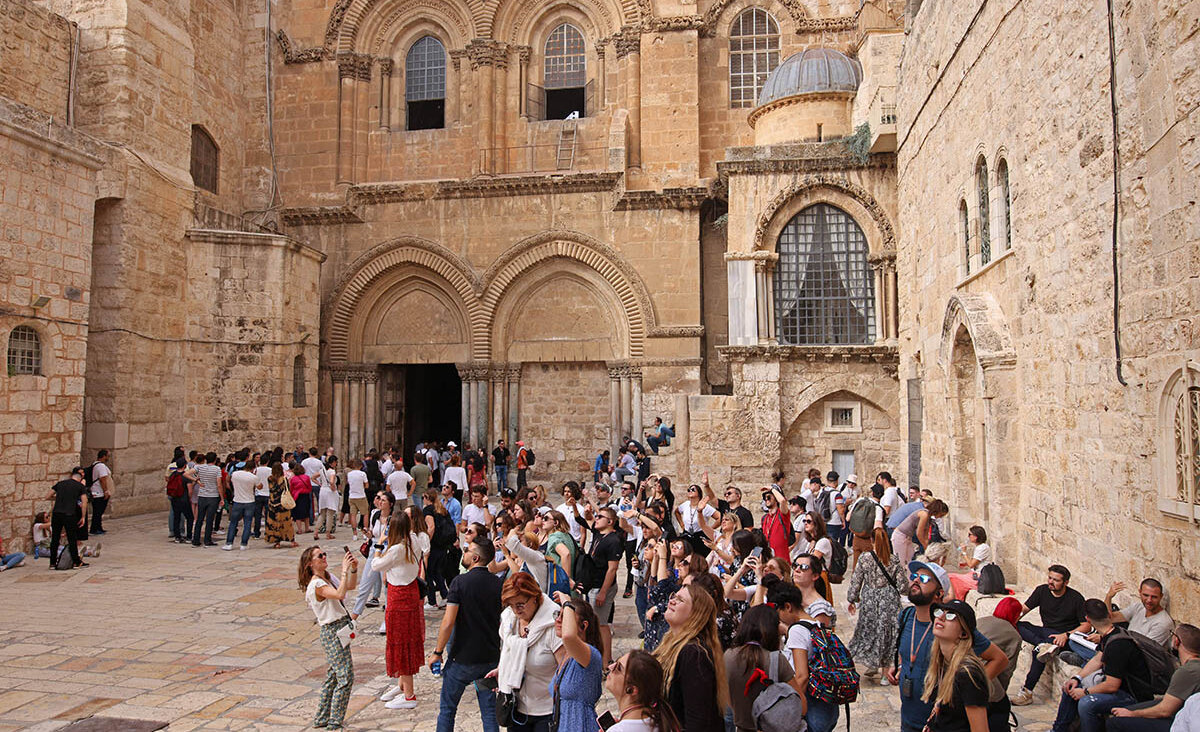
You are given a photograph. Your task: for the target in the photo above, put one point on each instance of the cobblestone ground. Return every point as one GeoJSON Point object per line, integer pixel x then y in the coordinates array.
{"type": "Point", "coordinates": [206, 639]}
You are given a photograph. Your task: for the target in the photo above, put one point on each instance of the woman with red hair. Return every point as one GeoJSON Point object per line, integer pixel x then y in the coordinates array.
{"type": "Point", "coordinates": [530, 652]}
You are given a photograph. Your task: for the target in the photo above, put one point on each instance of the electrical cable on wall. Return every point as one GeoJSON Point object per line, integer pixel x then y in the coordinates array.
{"type": "Point", "coordinates": [1116, 216]}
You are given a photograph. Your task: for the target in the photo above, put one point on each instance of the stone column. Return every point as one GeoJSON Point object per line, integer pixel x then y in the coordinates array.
{"type": "Point", "coordinates": [614, 405]}
{"type": "Point", "coordinates": [371, 406]}
{"type": "Point", "coordinates": [483, 60]}
{"type": "Point", "coordinates": [471, 429]}
{"type": "Point", "coordinates": [635, 378]}
{"type": "Point", "coordinates": [600, 80]}
{"type": "Point", "coordinates": [497, 432]}
{"type": "Point", "coordinates": [500, 99]}
{"type": "Point", "coordinates": [385, 93]}
{"type": "Point", "coordinates": [880, 300]}
{"type": "Point", "coordinates": [761, 299]}
{"type": "Point", "coordinates": [629, 47]}
{"type": "Point", "coordinates": [345, 135]}
{"type": "Point", "coordinates": [354, 446]}
{"type": "Point", "coordinates": [626, 401]}
{"type": "Point", "coordinates": [479, 428]}
{"type": "Point", "coordinates": [454, 86]}
{"type": "Point", "coordinates": [523, 55]}
{"type": "Point", "coordinates": [513, 375]}
{"type": "Point", "coordinates": [338, 428]}
{"type": "Point", "coordinates": [464, 374]}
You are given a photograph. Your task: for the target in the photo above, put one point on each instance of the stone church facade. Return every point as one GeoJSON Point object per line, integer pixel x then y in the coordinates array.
{"type": "Point", "coordinates": [808, 233]}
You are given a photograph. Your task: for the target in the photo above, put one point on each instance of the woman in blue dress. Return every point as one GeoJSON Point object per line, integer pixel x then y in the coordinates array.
{"type": "Point", "coordinates": [578, 683]}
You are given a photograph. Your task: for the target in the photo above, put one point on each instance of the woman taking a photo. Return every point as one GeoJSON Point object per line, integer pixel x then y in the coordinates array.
{"type": "Point", "coordinates": [874, 591]}
{"type": "Point", "coordinates": [955, 683]}
{"type": "Point", "coordinates": [694, 517]}
{"type": "Point", "coordinates": [576, 684]}
{"type": "Point", "coordinates": [280, 528]}
{"type": "Point", "coordinates": [324, 594]}
{"type": "Point", "coordinates": [694, 678]}
{"type": "Point", "coordinates": [371, 583]}
{"type": "Point", "coordinates": [528, 641]}
{"type": "Point", "coordinates": [401, 565]}
{"type": "Point", "coordinates": [722, 544]}
{"type": "Point", "coordinates": [636, 681]}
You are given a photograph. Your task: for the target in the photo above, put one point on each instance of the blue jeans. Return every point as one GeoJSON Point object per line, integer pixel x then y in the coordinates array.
{"type": "Point", "coordinates": [11, 560]}
{"type": "Point", "coordinates": [661, 439]}
{"type": "Point", "coordinates": [641, 602]}
{"type": "Point", "coordinates": [838, 533]}
{"type": "Point", "coordinates": [243, 512]}
{"type": "Point", "coordinates": [1139, 724]}
{"type": "Point", "coordinates": [368, 586]}
{"type": "Point", "coordinates": [1091, 710]}
{"type": "Point", "coordinates": [822, 716]}
{"type": "Point", "coordinates": [206, 514]}
{"type": "Point", "coordinates": [1084, 652]}
{"type": "Point", "coordinates": [260, 510]}
{"type": "Point", "coordinates": [501, 477]}
{"type": "Point", "coordinates": [455, 677]}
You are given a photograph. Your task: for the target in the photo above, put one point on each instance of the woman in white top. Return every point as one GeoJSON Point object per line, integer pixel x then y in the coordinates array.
{"type": "Point", "coordinates": [636, 681]}
{"type": "Point", "coordinates": [329, 500]}
{"type": "Point", "coordinates": [456, 474]}
{"type": "Point", "coordinates": [694, 516]}
{"type": "Point", "coordinates": [356, 487]}
{"type": "Point", "coordinates": [401, 566]}
{"type": "Point", "coordinates": [372, 581]}
{"type": "Point", "coordinates": [976, 555]}
{"type": "Point", "coordinates": [325, 594]}
{"type": "Point", "coordinates": [722, 545]}
{"type": "Point", "coordinates": [530, 651]}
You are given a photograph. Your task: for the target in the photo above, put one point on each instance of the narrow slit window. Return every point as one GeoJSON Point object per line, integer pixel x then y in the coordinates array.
{"type": "Point", "coordinates": [985, 237]}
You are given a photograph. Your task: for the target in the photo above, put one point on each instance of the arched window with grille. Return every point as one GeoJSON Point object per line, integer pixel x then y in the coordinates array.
{"type": "Point", "coordinates": [1180, 443]}
{"type": "Point", "coordinates": [425, 85]}
{"type": "Point", "coordinates": [299, 388]}
{"type": "Point", "coordinates": [964, 226]}
{"type": "Point", "coordinates": [824, 291]}
{"type": "Point", "coordinates": [753, 55]}
{"type": "Point", "coordinates": [564, 73]}
{"type": "Point", "coordinates": [985, 237]}
{"type": "Point", "coordinates": [206, 159]}
{"type": "Point", "coordinates": [24, 351]}
{"type": "Point", "coordinates": [1005, 202]}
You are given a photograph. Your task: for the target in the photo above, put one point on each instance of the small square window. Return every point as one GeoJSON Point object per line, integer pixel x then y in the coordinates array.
{"type": "Point", "coordinates": [843, 417]}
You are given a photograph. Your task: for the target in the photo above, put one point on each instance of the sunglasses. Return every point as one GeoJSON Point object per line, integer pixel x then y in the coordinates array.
{"type": "Point", "coordinates": [320, 555]}
{"type": "Point", "coordinates": [802, 566]}
{"type": "Point", "coordinates": [922, 578]}
{"type": "Point", "coordinates": [945, 614]}
{"type": "Point", "coordinates": [806, 521]}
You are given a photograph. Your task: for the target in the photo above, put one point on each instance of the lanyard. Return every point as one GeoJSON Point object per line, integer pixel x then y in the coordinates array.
{"type": "Point", "coordinates": [912, 653]}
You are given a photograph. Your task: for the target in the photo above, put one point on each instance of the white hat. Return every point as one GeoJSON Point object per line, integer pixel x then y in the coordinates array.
{"type": "Point", "coordinates": [852, 478]}
{"type": "Point", "coordinates": [451, 444]}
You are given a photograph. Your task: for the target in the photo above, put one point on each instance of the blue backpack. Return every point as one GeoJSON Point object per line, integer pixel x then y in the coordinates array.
{"type": "Point", "coordinates": [556, 578]}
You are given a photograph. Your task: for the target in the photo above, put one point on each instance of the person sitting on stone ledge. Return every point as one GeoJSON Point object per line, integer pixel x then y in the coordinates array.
{"type": "Point", "coordinates": [1146, 616]}
{"type": "Point", "coordinates": [41, 535]}
{"type": "Point", "coordinates": [659, 435]}
{"type": "Point", "coordinates": [1158, 716]}
{"type": "Point", "coordinates": [1062, 613]}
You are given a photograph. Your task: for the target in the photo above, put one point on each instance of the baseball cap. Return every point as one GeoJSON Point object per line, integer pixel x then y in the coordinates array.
{"type": "Point", "coordinates": [452, 443]}
{"type": "Point", "coordinates": [852, 478]}
{"type": "Point", "coordinates": [520, 443]}
{"type": "Point", "coordinates": [935, 569]}
{"type": "Point", "coordinates": [543, 510]}
{"type": "Point", "coordinates": [964, 611]}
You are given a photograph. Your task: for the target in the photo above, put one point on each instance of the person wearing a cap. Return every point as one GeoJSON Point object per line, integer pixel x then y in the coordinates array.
{"type": "Point", "coordinates": [956, 685]}
{"type": "Point", "coordinates": [927, 585]}
{"type": "Point", "coordinates": [1001, 628]}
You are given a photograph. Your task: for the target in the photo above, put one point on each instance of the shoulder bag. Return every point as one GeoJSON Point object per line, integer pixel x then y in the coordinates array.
{"type": "Point", "coordinates": [886, 575]}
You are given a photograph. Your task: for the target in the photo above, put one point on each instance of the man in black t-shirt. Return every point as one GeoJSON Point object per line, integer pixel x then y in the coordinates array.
{"type": "Point", "coordinates": [473, 615]}
{"type": "Point", "coordinates": [70, 507]}
{"type": "Point", "coordinates": [1125, 679]}
{"type": "Point", "coordinates": [1061, 609]}
{"type": "Point", "coordinates": [607, 549]}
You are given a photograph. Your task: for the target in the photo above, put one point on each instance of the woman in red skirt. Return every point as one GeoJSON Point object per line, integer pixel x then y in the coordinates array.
{"type": "Point", "coordinates": [400, 565]}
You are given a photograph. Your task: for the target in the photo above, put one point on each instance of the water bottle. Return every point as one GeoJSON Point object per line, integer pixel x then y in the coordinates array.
{"type": "Point", "coordinates": [435, 668]}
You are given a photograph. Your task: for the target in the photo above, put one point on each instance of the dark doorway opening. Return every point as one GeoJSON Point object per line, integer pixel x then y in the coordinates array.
{"type": "Point", "coordinates": [427, 115]}
{"type": "Point", "coordinates": [421, 402]}
{"type": "Point", "coordinates": [560, 103]}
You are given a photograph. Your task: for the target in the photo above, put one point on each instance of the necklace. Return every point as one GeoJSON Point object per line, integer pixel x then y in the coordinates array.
{"type": "Point", "coordinates": [912, 652]}
{"type": "Point", "coordinates": [627, 710]}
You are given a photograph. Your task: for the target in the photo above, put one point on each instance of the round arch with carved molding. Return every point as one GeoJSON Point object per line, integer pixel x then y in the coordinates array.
{"type": "Point", "coordinates": [629, 288]}
{"type": "Point", "coordinates": [877, 390]}
{"type": "Point", "coordinates": [788, 13]}
{"type": "Point", "coordinates": [368, 23]}
{"type": "Point", "coordinates": [832, 189]}
{"type": "Point", "coordinates": [392, 36]}
{"type": "Point", "coordinates": [521, 22]}
{"type": "Point", "coordinates": [983, 320]}
{"type": "Point", "coordinates": [376, 263]}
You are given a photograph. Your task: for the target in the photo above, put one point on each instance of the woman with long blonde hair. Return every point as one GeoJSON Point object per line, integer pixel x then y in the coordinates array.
{"type": "Point", "coordinates": [405, 621]}
{"type": "Point", "coordinates": [955, 683]}
{"type": "Point", "coordinates": [693, 675]}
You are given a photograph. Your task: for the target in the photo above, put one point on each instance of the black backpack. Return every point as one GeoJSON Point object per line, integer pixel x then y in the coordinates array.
{"type": "Point", "coordinates": [838, 561]}
{"type": "Point", "coordinates": [824, 504]}
{"type": "Point", "coordinates": [991, 581]}
{"type": "Point", "coordinates": [585, 572]}
{"type": "Point", "coordinates": [444, 533]}
{"type": "Point", "coordinates": [87, 475]}
{"type": "Point", "coordinates": [530, 458]}
{"type": "Point", "coordinates": [1158, 659]}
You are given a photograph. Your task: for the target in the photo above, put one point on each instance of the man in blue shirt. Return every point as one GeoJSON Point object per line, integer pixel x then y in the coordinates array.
{"type": "Point", "coordinates": [451, 503]}
{"type": "Point", "coordinates": [928, 584]}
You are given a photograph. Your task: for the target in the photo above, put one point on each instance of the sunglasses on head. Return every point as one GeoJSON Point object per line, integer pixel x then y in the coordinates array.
{"type": "Point", "coordinates": [922, 578]}
{"type": "Point", "coordinates": [945, 614]}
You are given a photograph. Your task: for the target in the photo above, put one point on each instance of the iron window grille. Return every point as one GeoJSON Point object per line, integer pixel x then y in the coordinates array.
{"type": "Point", "coordinates": [985, 235]}
{"type": "Point", "coordinates": [425, 71]}
{"type": "Point", "coordinates": [753, 55]}
{"type": "Point", "coordinates": [24, 351]}
{"type": "Point", "coordinates": [299, 388]}
{"type": "Point", "coordinates": [824, 291]}
{"type": "Point", "coordinates": [565, 64]}
{"type": "Point", "coordinates": [1006, 201]}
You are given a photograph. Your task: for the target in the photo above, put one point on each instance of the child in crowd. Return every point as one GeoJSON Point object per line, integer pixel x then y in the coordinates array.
{"type": "Point", "coordinates": [41, 539]}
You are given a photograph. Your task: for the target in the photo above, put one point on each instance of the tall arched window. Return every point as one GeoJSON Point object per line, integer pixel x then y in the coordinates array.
{"type": "Point", "coordinates": [205, 165]}
{"type": "Point", "coordinates": [24, 351]}
{"type": "Point", "coordinates": [425, 84]}
{"type": "Point", "coordinates": [1180, 446]}
{"type": "Point", "coordinates": [753, 55]}
{"type": "Point", "coordinates": [564, 73]}
{"type": "Point", "coordinates": [824, 292]}
{"type": "Point", "coordinates": [1005, 202]}
{"type": "Point", "coordinates": [964, 225]}
{"type": "Point", "coordinates": [299, 390]}
{"type": "Point", "coordinates": [985, 236]}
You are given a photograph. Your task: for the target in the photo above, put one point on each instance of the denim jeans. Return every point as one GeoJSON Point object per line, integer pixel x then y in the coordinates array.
{"type": "Point", "coordinates": [182, 518]}
{"type": "Point", "coordinates": [501, 477]}
{"type": "Point", "coordinates": [368, 586]}
{"type": "Point", "coordinates": [260, 510]}
{"type": "Point", "coordinates": [1139, 724]}
{"type": "Point", "coordinates": [11, 560]}
{"type": "Point", "coordinates": [1034, 634]}
{"type": "Point", "coordinates": [206, 513]}
{"type": "Point", "coordinates": [1091, 711]}
{"type": "Point", "coordinates": [822, 716]}
{"type": "Point", "coordinates": [1084, 652]}
{"type": "Point", "coordinates": [455, 677]}
{"type": "Point", "coordinates": [838, 533]}
{"type": "Point", "coordinates": [243, 512]}
{"type": "Point", "coordinates": [641, 602]}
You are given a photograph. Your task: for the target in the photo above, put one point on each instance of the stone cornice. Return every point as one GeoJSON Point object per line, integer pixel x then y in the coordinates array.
{"type": "Point", "coordinates": [771, 159]}
{"type": "Point", "coordinates": [876, 353]}
{"type": "Point", "coordinates": [675, 198]}
{"type": "Point", "coordinates": [675, 331]}
{"type": "Point", "coordinates": [674, 23]}
{"type": "Point", "coordinates": [320, 215]}
{"type": "Point", "coordinates": [827, 25]}
{"type": "Point", "coordinates": [528, 185]}
{"type": "Point", "coordinates": [249, 238]}
{"type": "Point", "coordinates": [758, 255]}
{"type": "Point", "coordinates": [815, 96]}
{"type": "Point", "coordinates": [300, 55]}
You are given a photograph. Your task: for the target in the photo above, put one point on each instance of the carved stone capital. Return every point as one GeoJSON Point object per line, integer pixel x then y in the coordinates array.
{"type": "Point", "coordinates": [385, 66]}
{"type": "Point", "coordinates": [456, 57]}
{"type": "Point", "coordinates": [885, 261]}
{"type": "Point", "coordinates": [524, 53]}
{"type": "Point", "coordinates": [600, 51]}
{"type": "Point", "coordinates": [355, 66]}
{"type": "Point", "coordinates": [486, 52]}
{"type": "Point", "coordinates": [628, 40]}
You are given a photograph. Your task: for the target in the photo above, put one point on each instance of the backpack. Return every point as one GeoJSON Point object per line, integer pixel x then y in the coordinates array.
{"type": "Point", "coordinates": [444, 533]}
{"type": "Point", "coordinates": [175, 487]}
{"type": "Point", "coordinates": [838, 561]}
{"type": "Point", "coordinates": [1158, 659]}
{"type": "Point", "coordinates": [831, 674]}
{"type": "Point", "coordinates": [823, 504]}
{"type": "Point", "coordinates": [556, 579]}
{"type": "Point", "coordinates": [88, 478]}
{"type": "Point", "coordinates": [64, 558]}
{"type": "Point", "coordinates": [585, 571]}
{"type": "Point", "coordinates": [862, 518]}
{"type": "Point", "coordinates": [777, 707]}
{"type": "Point", "coordinates": [530, 458]}
{"type": "Point", "coordinates": [991, 581]}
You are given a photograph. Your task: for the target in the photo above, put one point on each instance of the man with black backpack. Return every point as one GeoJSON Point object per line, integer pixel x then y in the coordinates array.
{"type": "Point", "coordinates": [1125, 677]}
{"type": "Point", "coordinates": [1185, 682]}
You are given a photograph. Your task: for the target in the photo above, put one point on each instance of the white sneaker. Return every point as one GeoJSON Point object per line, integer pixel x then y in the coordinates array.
{"type": "Point", "coordinates": [1046, 651]}
{"type": "Point", "coordinates": [390, 694]}
{"type": "Point", "coordinates": [430, 607]}
{"type": "Point", "coordinates": [1023, 698]}
{"type": "Point", "coordinates": [402, 703]}
{"type": "Point", "coordinates": [383, 628]}
{"type": "Point", "coordinates": [243, 547]}
{"type": "Point", "coordinates": [227, 548]}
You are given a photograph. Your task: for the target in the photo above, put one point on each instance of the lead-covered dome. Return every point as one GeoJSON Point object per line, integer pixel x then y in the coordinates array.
{"type": "Point", "coordinates": [812, 70]}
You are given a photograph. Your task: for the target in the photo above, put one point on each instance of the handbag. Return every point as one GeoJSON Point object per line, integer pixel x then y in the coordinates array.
{"type": "Point", "coordinates": [286, 500]}
{"type": "Point", "coordinates": [365, 549]}
{"type": "Point", "coordinates": [506, 707]}
{"type": "Point", "coordinates": [347, 633]}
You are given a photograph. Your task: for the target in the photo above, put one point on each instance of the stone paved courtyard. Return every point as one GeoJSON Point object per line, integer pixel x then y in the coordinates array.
{"type": "Point", "coordinates": [206, 639]}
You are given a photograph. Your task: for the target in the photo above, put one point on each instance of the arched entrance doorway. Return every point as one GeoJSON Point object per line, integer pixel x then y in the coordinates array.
{"type": "Point", "coordinates": [968, 437]}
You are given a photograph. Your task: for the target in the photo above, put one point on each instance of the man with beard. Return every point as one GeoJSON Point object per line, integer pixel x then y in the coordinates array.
{"type": "Point", "coordinates": [928, 583]}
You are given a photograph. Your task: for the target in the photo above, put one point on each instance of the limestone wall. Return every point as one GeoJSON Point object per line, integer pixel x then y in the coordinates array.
{"type": "Point", "coordinates": [564, 408]}
{"type": "Point", "coordinates": [35, 58]}
{"type": "Point", "coordinates": [1026, 426]}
